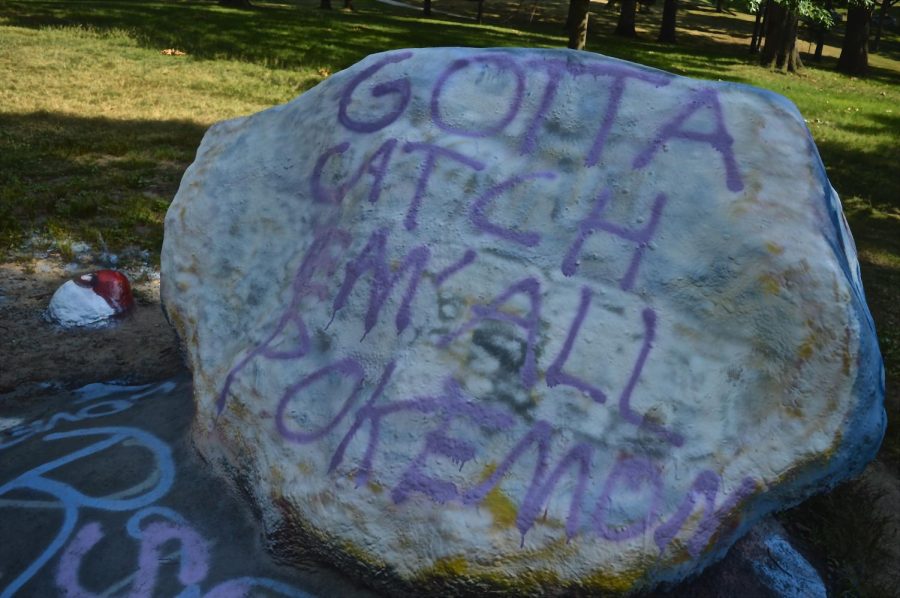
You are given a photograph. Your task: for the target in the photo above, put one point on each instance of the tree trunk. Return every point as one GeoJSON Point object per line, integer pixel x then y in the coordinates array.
{"type": "Point", "coordinates": [236, 3]}
{"type": "Point", "coordinates": [348, 4]}
{"type": "Point", "coordinates": [780, 50]}
{"type": "Point", "coordinates": [820, 42]}
{"type": "Point", "coordinates": [756, 39]}
{"type": "Point", "coordinates": [570, 17]}
{"type": "Point", "coordinates": [325, 4]}
{"type": "Point", "coordinates": [854, 58]}
{"type": "Point", "coordinates": [667, 30]}
{"type": "Point", "coordinates": [625, 27]}
{"type": "Point", "coordinates": [578, 23]}
{"type": "Point", "coordinates": [882, 14]}
{"type": "Point", "coordinates": [719, 5]}
{"type": "Point", "coordinates": [480, 18]}
{"type": "Point", "coordinates": [427, 8]}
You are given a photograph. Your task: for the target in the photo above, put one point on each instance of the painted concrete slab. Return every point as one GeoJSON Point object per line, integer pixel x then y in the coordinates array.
{"type": "Point", "coordinates": [102, 495]}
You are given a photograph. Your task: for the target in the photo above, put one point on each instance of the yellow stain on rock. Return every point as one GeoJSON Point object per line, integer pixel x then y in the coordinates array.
{"type": "Point", "coordinates": [618, 583]}
{"type": "Point", "coordinates": [555, 549]}
{"type": "Point", "coordinates": [774, 248]}
{"type": "Point", "coordinates": [451, 566]}
{"type": "Point", "coordinates": [770, 284]}
{"type": "Point", "coordinates": [846, 356]}
{"type": "Point", "coordinates": [794, 411]}
{"type": "Point", "coordinates": [502, 509]}
{"type": "Point", "coordinates": [239, 410]}
{"type": "Point", "coordinates": [739, 209]}
{"type": "Point", "coordinates": [276, 476]}
{"type": "Point", "coordinates": [806, 349]}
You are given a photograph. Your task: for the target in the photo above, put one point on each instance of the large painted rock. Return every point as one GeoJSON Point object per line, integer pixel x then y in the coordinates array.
{"type": "Point", "coordinates": [520, 319]}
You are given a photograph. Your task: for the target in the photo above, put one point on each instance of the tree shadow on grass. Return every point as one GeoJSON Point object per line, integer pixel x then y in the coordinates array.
{"type": "Point", "coordinates": [93, 179]}
{"type": "Point", "coordinates": [275, 35]}
{"type": "Point", "coordinates": [695, 55]}
{"type": "Point", "coordinates": [709, 21]}
{"type": "Point", "coordinates": [870, 173]}
{"type": "Point", "coordinates": [285, 36]}
{"type": "Point", "coordinates": [875, 233]}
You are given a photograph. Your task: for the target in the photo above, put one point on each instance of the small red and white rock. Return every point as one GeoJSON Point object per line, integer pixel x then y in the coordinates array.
{"type": "Point", "coordinates": [91, 298]}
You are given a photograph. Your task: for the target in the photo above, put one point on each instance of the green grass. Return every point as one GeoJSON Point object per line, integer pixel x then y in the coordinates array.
{"type": "Point", "coordinates": [97, 126]}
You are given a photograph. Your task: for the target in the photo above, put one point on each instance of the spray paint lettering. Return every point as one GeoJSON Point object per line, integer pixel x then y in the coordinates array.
{"type": "Point", "coordinates": [111, 404]}
{"type": "Point", "coordinates": [389, 255]}
{"type": "Point", "coordinates": [168, 528]}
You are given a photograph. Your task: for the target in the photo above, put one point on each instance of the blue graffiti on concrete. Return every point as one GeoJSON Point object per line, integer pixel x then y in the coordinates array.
{"type": "Point", "coordinates": [71, 500]}
{"type": "Point", "coordinates": [113, 403]}
{"type": "Point", "coordinates": [152, 526]}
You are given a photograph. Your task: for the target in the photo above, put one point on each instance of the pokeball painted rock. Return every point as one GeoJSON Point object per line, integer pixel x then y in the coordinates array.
{"type": "Point", "coordinates": [91, 298]}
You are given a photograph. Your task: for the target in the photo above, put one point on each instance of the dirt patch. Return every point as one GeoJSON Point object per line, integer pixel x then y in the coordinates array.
{"type": "Point", "coordinates": [37, 356]}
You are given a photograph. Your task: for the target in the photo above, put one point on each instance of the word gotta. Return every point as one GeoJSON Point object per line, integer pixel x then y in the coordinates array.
{"type": "Point", "coordinates": [336, 254]}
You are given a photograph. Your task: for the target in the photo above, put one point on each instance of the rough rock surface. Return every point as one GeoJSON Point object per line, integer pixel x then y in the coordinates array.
{"type": "Point", "coordinates": [521, 319]}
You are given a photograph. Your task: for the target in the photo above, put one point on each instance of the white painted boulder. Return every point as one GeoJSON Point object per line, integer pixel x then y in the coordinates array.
{"type": "Point", "coordinates": [521, 319]}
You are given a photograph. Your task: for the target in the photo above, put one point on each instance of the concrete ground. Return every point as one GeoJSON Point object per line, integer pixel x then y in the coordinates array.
{"type": "Point", "coordinates": [101, 494]}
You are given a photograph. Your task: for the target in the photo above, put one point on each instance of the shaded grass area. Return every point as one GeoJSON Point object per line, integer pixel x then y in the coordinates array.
{"type": "Point", "coordinates": [272, 35]}
{"type": "Point", "coordinates": [72, 71]}
{"type": "Point", "coordinates": [242, 61]}
{"type": "Point", "coordinates": [108, 189]}
{"type": "Point", "coordinates": [97, 126]}
{"type": "Point", "coordinates": [96, 131]}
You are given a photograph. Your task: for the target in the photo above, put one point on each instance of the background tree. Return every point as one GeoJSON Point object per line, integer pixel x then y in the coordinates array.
{"type": "Point", "coordinates": [625, 26]}
{"type": "Point", "coordinates": [760, 8]}
{"type": "Point", "coordinates": [854, 59]}
{"type": "Point", "coordinates": [781, 22]}
{"type": "Point", "coordinates": [780, 50]}
{"type": "Point", "coordinates": [882, 15]}
{"type": "Point", "coordinates": [667, 29]}
{"type": "Point", "coordinates": [819, 29]}
{"type": "Point", "coordinates": [577, 23]}
{"type": "Point", "coordinates": [236, 3]}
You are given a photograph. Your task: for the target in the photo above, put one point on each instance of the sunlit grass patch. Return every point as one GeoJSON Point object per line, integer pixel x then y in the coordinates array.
{"type": "Point", "coordinates": [103, 104]}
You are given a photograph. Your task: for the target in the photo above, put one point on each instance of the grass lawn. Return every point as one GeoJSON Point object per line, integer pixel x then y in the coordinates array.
{"type": "Point", "coordinates": [97, 125]}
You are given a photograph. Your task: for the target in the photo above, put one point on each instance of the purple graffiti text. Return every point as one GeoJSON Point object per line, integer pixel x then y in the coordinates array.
{"type": "Point", "coordinates": [479, 207]}
{"type": "Point", "coordinates": [503, 64]}
{"type": "Point", "coordinates": [594, 222]}
{"type": "Point", "coordinates": [719, 139]}
{"type": "Point", "coordinates": [530, 323]}
{"type": "Point", "coordinates": [398, 87]}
